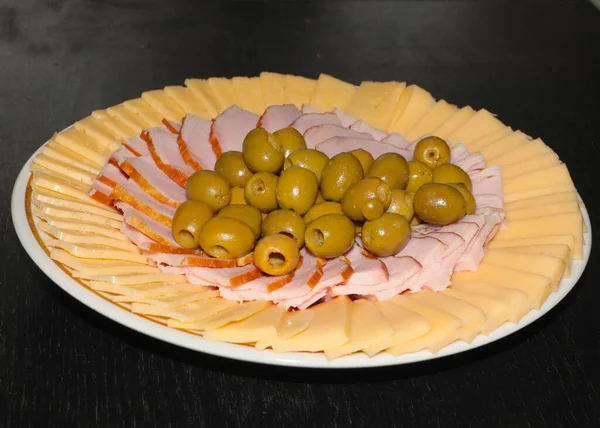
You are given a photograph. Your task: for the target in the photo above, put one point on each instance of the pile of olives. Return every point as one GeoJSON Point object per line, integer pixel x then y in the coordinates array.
{"type": "Point", "coordinates": [277, 196]}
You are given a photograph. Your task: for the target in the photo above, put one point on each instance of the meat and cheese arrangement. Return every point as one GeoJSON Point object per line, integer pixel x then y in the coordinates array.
{"type": "Point", "coordinates": [294, 214]}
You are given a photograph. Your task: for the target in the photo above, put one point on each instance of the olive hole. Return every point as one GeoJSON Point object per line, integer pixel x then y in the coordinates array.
{"type": "Point", "coordinates": [283, 232]}
{"type": "Point", "coordinates": [259, 187]}
{"type": "Point", "coordinates": [276, 259]}
{"type": "Point", "coordinates": [219, 251]}
{"type": "Point", "coordinates": [317, 237]}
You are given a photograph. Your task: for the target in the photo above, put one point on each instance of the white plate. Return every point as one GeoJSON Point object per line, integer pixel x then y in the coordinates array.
{"type": "Point", "coordinates": [246, 353]}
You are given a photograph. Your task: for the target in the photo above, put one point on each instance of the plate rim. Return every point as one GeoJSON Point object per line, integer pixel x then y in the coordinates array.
{"type": "Point", "coordinates": [247, 353]}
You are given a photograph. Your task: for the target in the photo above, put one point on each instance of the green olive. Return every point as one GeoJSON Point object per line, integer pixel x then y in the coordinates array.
{"type": "Point", "coordinates": [189, 219]}
{"type": "Point", "coordinates": [260, 191]}
{"type": "Point", "coordinates": [297, 189]}
{"type": "Point", "coordinates": [330, 235]}
{"type": "Point", "coordinates": [231, 167]}
{"type": "Point", "coordinates": [391, 168]}
{"type": "Point", "coordinates": [439, 204]}
{"type": "Point", "coordinates": [418, 174]}
{"type": "Point", "coordinates": [313, 160]}
{"type": "Point", "coordinates": [262, 151]}
{"type": "Point", "coordinates": [285, 222]}
{"type": "Point", "coordinates": [226, 238]}
{"type": "Point", "coordinates": [319, 210]}
{"type": "Point", "coordinates": [341, 172]}
{"type": "Point", "coordinates": [290, 139]}
{"type": "Point", "coordinates": [365, 158]}
{"type": "Point", "coordinates": [470, 203]}
{"type": "Point", "coordinates": [276, 255]}
{"type": "Point", "coordinates": [449, 173]}
{"type": "Point", "coordinates": [244, 213]}
{"type": "Point", "coordinates": [386, 235]}
{"type": "Point", "coordinates": [237, 196]}
{"type": "Point", "coordinates": [432, 151]}
{"type": "Point", "coordinates": [367, 199]}
{"type": "Point", "coordinates": [402, 203]}
{"type": "Point", "coordinates": [209, 187]}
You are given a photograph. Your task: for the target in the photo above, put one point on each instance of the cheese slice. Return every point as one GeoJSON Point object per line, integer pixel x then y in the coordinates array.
{"type": "Point", "coordinates": [137, 279]}
{"type": "Point", "coordinates": [329, 328]}
{"type": "Point", "coordinates": [553, 176]}
{"type": "Point", "coordinates": [61, 201]}
{"type": "Point", "coordinates": [148, 290]}
{"type": "Point", "coordinates": [72, 172]}
{"type": "Point", "coordinates": [407, 326]}
{"type": "Point", "coordinates": [367, 326]}
{"type": "Point", "coordinates": [99, 252]}
{"type": "Point", "coordinates": [525, 152]}
{"type": "Point", "coordinates": [414, 103]}
{"type": "Point", "coordinates": [83, 227]}
{"type": "Point", "coordinates": [454, 122]}
{"type": "Point", "coordinates": [375, 102]}
{"type": "Point", "coordinates": [88, 147]}
{"type": "Point", "coordinates": [537, 287]}
{"type": "Point", "coordinates": [99, 267]}
{"type": "Point", "coordinates": [186, 98]}
{"type": "Point", "coordinates": [232, 314]}
{"type": "Point", "coordinates": [436, 115]}
{"type": "Point", "coordinates": [515, 301]}
{"type": "Point", "coordinates": [331, 93]}
{"type": "Point", "coordinates": [36, 168]}
{"type": "Point", "coordinates": [70, 189]}
{"type": "Point", "coordinates": [128, 117]}
{"type": "Point", "coordinates": [544, 210]}
{"type": "Point", "coordinates": [568, 240]}
{"type": "Point", "coordinates": [494, 310]}
{"type": "Point", "coordinates": [71, 236]}
{"type": "Point", "coordinates": [63, 154]}
{"type": "Point", "coordinates": [547, 266]}
{"type": "Point", "coordinates": [224, 92]}
{"type": "Point", "coordinates": [164, 104]}
{"type": "Point", "coordinates": [189, 313]}
{"type": "Point", "coordinates": [488, 139]}
{"type": "Point", "coordinates": [96, 129]}
{"type": "Point", "coordinates": [561, 251]}
{"type": "Point", "coordinates": [528, 194]}
{"type": "Point", "coordinates": [471, 317]}
{"type": "Point", "coordinates": [273, 88]}
{"type": "Point", "coordinates": [144, 110]}
{"type": "Point", "coordinates": [445, 328]}
{"type": "Point", "coordinates": [298, 90]}
{"type": "Point", "coordinates": [119, 128]}
{"type": "Point", "coordinates": [261, 326]}
{"type": "Point", "coordinates": [171, 300]}
{"type": "Point", "coordinates": [509, 143]}
{"type": "Point", "coordinates": [533, 164]}
{"type": "Point", "coordinates": [204, 92]}
{"type": "Point", "coordinates": [40, 209]}
{"type": "Point", "coordinates": [479, 125]}
{"type": "Point", "coordinates": [249, 93]}
{"type": "Point", "coordinates": [292, 323]}
{"type": "Point", "coordinates": [541, 201]}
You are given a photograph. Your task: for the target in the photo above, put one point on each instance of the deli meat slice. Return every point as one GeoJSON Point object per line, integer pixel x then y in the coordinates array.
{"type": "Point", "coordinates": [172, 126]}
{"type": "Point", "coordinates": [225, 277]}
{"type": "Point", "coordinates": [230, 128]}
{"type": "Point", "coordinates": [165, 152]}
{"type": "Point", "coordinates": [278, 117]}
{"type": "Point", "coordinates": [189, 260]}
{"type": "Point", "coordinates": [369, 272]}
{"type": "Point", "coordinates": [458, 153]}
{"type": "Point", "coordinates": [336, 145]}
{"type": "Point", "coordinates": [111, 175]}
{"type": "Point", "coordinates": [309, 120]}
{"type": "Point", "coordinates": [472, 163]}
{"type": "Point", "coordinates": [194, 143]}
{"type": "Point", "coordinates": [318, 134]}
{"type": "Point", "coordinates": [397, 140]}
{"type": "Point", "coordinates": [344, 118]}
{"type": "Point", "coordinates": [146, 225]}
{"type": "Point", "coordinates": [132, 194]}
{"type": "Point", "coordinates": [375, 134]}
{"type": "Point", "coordinates": [135, 236]}
{"type": "Point", "coordinates": [487, 181]}
{"type": "Point", "coordinates": [401, 271]}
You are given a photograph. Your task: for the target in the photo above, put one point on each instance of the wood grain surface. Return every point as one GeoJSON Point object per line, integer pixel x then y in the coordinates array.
{"type": "Point", "coordinates": [536, 65]}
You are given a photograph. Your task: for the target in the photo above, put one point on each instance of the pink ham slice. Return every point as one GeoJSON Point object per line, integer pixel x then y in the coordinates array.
{"type": "Point", "coordinates": [309, 120]}
{"type": "Point", "coordinates": [278, 117]}
{"type": "Point", "coordinates": [146, 225]}
{"type": "Point", "coordinates": [194, 143]}
{"type": "Point", "coordinates": [133, 195]}
{"type": "Point", "coordinates": [397, 140]}
{"type": "Point", "coordinates": [488, 202]}
{"type": "Point", "coordinates": [172, 126]}
{"type": "Point", "coordinates": [230, 128]}
{"type": "Point", "coordinates": [472, 163]}
{"type": "Point", "coordinates": [487, 181]}
{"type": "Point", "coordinates": [226, 277]}
{"type": "Point", "coordinates": [458, 153]}
{"type": "Point", "coordinates": [132, 147]}
{"type": "Point", "coordinates": [112, 176]}
{"type": "Point", "coordinates": [101, 192]}
{"type": "Point", "coordinates": [165, 152]}
{"type": "Point", "coordinates": [369, 272]}
{"type": "Point", "coordinates": [402, 270]}
{"type": "Point", "coordinates": [190, 260]}
{"type": "Point", "coordinates": [375, 133]}
{"type": "Point", "coordinates": [135, 236]}
{"type": "Point", "coordinates": [318, 134]}
{"type": "Point", "coordinates": [336, 145]}
{"type": "Point", "coordinates": [344, 118]}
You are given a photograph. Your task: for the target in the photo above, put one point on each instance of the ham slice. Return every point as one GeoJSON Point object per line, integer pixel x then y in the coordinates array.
{"type": "Point", "coordinates": [458, 153]}
{"type": "Point", "coordinates": [146, 225]}
{"type": "Point", "coordinates": [344, 118]}
{"type": "Point", "coordinates": [226, 277]}
{"type": "Point", "coordinates": [398, 140]}
{"type": "Point", "coordinates": [375, 133]}
{"type": "Point", "coordinates": [277, 117]}
{"type": "Point", "coordinates": [369, 272]}
{"type": "Point", "coordinates": [487, 181]}
{"type": "Point", "coordinates": [309, 120]}
{"type": "Point", "coordinates": [401, 271]}
{"type": "Point", "coordinates": [472, 163]}
{"type": "Point", "coordinates": [172, 126]}
{"type": "Point", "coordinates": [190, 260]}
{"type": "Point", "coordinates": [318, 134]}
{"type": "Point", "coordinates": [165, 152]}
{"type": "Point", "coordinates": [135, 236]}
{"type": "Point", "coordinates": [230, 128]}
{"type": "Point", "coordinates": [194, 143]}
{"type": "Point", "coordinates": [336, 145]}
{"type": "Point", "coordinates": [111, 175]}
{"type": "Point", "coordinates": [133, 195]}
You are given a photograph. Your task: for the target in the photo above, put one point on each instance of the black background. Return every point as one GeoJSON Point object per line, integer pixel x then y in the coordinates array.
{"type": "Point", "coordinates": [536, 65]}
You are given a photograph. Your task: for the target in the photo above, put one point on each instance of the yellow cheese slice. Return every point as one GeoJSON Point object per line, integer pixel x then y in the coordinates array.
{"type": "Point", "coordinates": [472, 318]}
{"type": "Point", "coordinates": [273, 88]}
{"type": "Point", "coordinates": [83, 227]}
{"type": "Point", "coordinates": [36, 168]}
{"type": "Point", "coordinates": [41, 209]}
{"type": "Point", "coordinates": [437, 115]}
{"type": "Point", "coordinates": [259, 327]}
{"type": "Point", "coordinates": [121, 129]}
{"type": "Point", "coordinates": [552, 176]}
{"type": "Point", "coordinates": [495, 311]}
{"type": "Point", "coordinates": [561, 251]}
{"type": "Point", "coordinates": [481, 124]}
{"type": "Point", "coordinates": [70, 189]}
{"type": "Point", "coordinates": [128, 117]}
{"type": "Point", "coordinates": [72, 172]}
{"type": "Point", "coordinates": [329, 328]}
{"type": "Point", "coordinates": [539, 211]}
{"type": "Point", "coordinates": [96, 129]}
{"type": "Point", "coordinates": [518, 196]}
{"type": "Point", "coordinates": [136, 279]}
{"type": "Point", "coordinates": [445, 328]}
{"type": "Point", "coordinates": [511, 142]}
{"type": "Point", "coordinates": [204, 92]}
{"type": "Point", "coordinates": [537, 287]}
{"type": "Point", "coordinates": [535, 163]}
{"type": "Point", "coordinates": [454, 122]}
{"type": "Point", "coordinates": [414, 103]}
{"type": "Point", "coordinates": [99, 252]}
{"type": "Point", "coordinates": [99, 267]}
{"type": "Point", "coordinates": [547, 266]}
{"type": "Point", "coordinates": [224, 92]}
{"type": "Point", "coordinates": [170, 301]}
{"type": "Point", "coordinates": [232, 314]}
{"type": "Point", "coordinates": [515, 301]}
{"type": "Point", "coordinates": [331, 93]}
{"type": "Point", "coordinates": [249, 93]}
{"type": "Point", "coordinates": [56, 199]}
{"type": "Point", "coordinates": [298, 90]}
{"type": "Point", "coordinates": [144, 110]}
{"type": "Point", "coordinates": [375, 102]}
{"type": "Point", "coordinates": [525, 152]}
{"type": "Point", "coordinates": [71, 236]}
{"type": "Point", "coordinates": [367, 326]}
{"type": "Point", "coordinates": [164, 104]}
{"type": "Point", "coordinates": [63, 154]}
{"type": "Point", "coordinates": [88, 147]}
{"type": "Point", "coordinates": [567, 240]}
{"type": "Point", "coordinates": [292, 323]}
{"type": "Point", "coordinates": [541, 201]}
{"type": "Point", "coordinates": [488, 139]}
{"type": "Point", "coordinates": [193, 312]}
{"type": "Point", "coordinates": [148, 290]}
{"type": "Point", "coordinates": [186, 98]}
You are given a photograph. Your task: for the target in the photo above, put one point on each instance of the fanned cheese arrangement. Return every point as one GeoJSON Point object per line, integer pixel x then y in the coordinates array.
{"type": "Point", "coordinates": [300, 215]}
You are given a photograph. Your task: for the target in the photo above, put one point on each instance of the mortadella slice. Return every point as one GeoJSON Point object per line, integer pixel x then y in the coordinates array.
{"type": "Point", "coordinates": [230, 128]}
{"type": "Point", "coordinates": [309, 120]}
{"type": "Point", "coordinates": [194, 143]}
{"type": "Point", "coordinates": [336, 145]}
{"type": "Point", "coordinates": [317, 134]}
{"type": "Point", "coordinates": [278, 117]}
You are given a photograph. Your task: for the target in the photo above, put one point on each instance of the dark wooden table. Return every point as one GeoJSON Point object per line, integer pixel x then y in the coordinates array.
{"type": "Point", "coordinates": [536, 65]}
